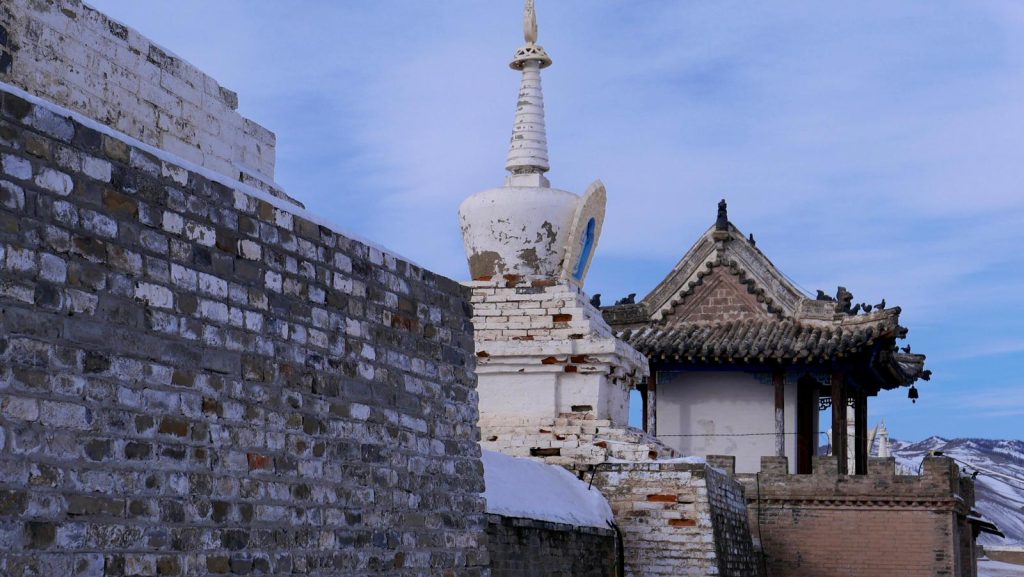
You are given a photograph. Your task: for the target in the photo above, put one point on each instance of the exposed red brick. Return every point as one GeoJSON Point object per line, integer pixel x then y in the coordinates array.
{"type": "Point", "coordinates": [663, 498]}
{"type": "Point", "coordinates": [550, 361]}
{"type": "Point", "coordinates": [483, 354]}
{"type": "Point", "coordinates": [561, 318]}
{"type": "Point", "coordinates": [578, 359]}
{"type": "Point", "coordinates": [258, 461]}
{"type": "Point", "coordinates": [571, 368]}
{"type": "Point", "coordinates": [682, 522]}
{"type": "Point", "coordinates": [398, 321]}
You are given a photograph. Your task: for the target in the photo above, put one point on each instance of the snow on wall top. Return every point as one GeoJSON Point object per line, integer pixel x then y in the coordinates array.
{"type": "Point", "coordinates": [533, 490]}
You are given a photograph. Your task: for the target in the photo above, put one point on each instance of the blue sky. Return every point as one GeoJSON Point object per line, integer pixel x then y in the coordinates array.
{"type": "Point", "coordinates": [874, 145]}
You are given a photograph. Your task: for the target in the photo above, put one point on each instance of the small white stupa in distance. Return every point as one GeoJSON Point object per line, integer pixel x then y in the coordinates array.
{"type": "Point", "coordinates": [526, 228]}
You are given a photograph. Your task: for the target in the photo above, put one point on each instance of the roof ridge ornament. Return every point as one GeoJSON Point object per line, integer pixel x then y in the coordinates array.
{"type": "Point", "coordinates": [722, 222]}
{"type": "Point", "coordinates": [528, 151]}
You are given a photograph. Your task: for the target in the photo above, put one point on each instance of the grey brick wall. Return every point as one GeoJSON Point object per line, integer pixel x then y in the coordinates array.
{"type": "Point", "coordinates": [195, 382]}
{"type": "Point", "coordinates": [733, 546]}
{"type": "Point", "coordinates": [529, 548]}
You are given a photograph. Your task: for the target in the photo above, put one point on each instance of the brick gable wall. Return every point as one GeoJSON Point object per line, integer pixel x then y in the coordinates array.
{"type": "Point", "coordinates": [720, 298]}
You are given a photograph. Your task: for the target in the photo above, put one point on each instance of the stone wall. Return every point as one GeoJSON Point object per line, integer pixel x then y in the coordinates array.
{"type": "Point", "coordinates": [69, 53]}
{"type": "Point", "coordinates": [830, 525]}
{"type": "Point", "coordinates": [194, 381]}
{"type": "Point", "coordinates": [678, 519]}
{"type": "Point", "coordinates": [529, 548]}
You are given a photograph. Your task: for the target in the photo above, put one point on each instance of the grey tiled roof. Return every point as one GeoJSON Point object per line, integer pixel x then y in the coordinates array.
{"type": "Point", "coordinates": [764, 340]}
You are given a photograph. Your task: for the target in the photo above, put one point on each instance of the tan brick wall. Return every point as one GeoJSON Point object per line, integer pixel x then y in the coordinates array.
{"type": "Point", "coordinates": [830, 525]}
{"type": "Point", "coordinates": [809, 541]}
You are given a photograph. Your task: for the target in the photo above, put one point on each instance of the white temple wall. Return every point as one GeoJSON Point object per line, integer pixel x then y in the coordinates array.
{"type": "Point", "coordinates": [724, 413]}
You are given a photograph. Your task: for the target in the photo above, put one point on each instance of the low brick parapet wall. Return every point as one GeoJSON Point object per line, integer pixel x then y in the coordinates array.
{"type": "Point", "coordinates": [826, 524]}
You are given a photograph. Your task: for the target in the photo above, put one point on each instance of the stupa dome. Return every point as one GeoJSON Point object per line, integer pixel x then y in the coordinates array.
{"type": "Point", "coordinates": [526, 228]}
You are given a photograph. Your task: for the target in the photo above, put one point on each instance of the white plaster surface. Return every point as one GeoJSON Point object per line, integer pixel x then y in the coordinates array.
{"type": "Point", "coordinates": [724, 413]}
{"type": "Point", "coordinates": [524, 230]}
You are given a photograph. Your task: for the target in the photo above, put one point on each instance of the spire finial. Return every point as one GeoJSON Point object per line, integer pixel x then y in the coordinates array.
{"type": "Point", "coordinates": [528, 154]}
{"type": "Point", "coordinates": [530, 22]}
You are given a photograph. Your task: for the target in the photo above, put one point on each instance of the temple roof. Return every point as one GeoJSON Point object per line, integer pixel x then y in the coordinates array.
{"type": "Point", "coordinates": [725, 302]}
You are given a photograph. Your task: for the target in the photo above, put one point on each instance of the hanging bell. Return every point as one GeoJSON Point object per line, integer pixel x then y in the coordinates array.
{"type": "Point", "coordinates": [912, 394]}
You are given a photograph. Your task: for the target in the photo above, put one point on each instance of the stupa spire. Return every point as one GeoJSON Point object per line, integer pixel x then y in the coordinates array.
{"type": "Point", "coordinates": [528, 152]}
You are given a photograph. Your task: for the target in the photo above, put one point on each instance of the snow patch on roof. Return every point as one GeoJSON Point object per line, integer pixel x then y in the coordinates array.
{"type": "Point", "coordinates": [534, 490]}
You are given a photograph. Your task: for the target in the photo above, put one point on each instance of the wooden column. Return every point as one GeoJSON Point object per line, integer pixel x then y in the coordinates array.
{"type": "Point", "coordinates": [839, 448]}
{"type": "Point", "coordinates": [651, 402]}
{"type": "Point", "coordinates": [779, 381]}
{"type": "Point", "coordinates": [806, 435]}
{"type": "Point", "coordinates": [860, 435]}
{"type": "Point", "coordinates": [642, 389]}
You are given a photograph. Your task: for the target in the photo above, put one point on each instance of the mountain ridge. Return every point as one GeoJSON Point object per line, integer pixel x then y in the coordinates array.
{"type": "Point", "coordinates": [999, 480]}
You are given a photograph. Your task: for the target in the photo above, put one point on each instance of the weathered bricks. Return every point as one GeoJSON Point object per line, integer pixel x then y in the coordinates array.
{"type": "Point", "coordinates": [862, 525]}
{"type": "Point", "coordinates": [678, 519]}
{"type": "Point", "coordinates": [191, 384]}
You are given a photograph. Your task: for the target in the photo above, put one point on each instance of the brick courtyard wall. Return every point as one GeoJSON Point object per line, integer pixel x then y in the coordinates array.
{"type": "Point", "coordinates": [678, 519]}
{"type": "Point", "coordinates": [827, 525]}
{"type": "Point", "coordinates": [529, 548]}
{"type": "Point", "coordinates": [194, 381]}
{"type": "Point", "coordinates": [69, 53]}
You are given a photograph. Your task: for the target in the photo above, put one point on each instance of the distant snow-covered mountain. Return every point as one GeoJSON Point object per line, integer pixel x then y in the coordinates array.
{"type": "Point", "coordinates": [1000, 495]}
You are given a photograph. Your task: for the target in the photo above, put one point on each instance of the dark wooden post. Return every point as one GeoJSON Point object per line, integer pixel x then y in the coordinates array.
{"type": "Point", "coordinates": [779, 380]}
{"type": "Point", "coordinates": [651, 404]}
{"type": "Point", "coordinates": [642, 389]}
{"type": "Point", "coordinates": [839, 448]}
{"type": "Point", "coordinates": [806, 433]}
{"type": "Point", "coordinates": [860, 435]}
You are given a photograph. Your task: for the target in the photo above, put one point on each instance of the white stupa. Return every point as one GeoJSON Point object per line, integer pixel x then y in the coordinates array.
{"type": "Point", "coordinates": [526, 228]}
{"type": "Point", "coordinates": [544, 352]}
